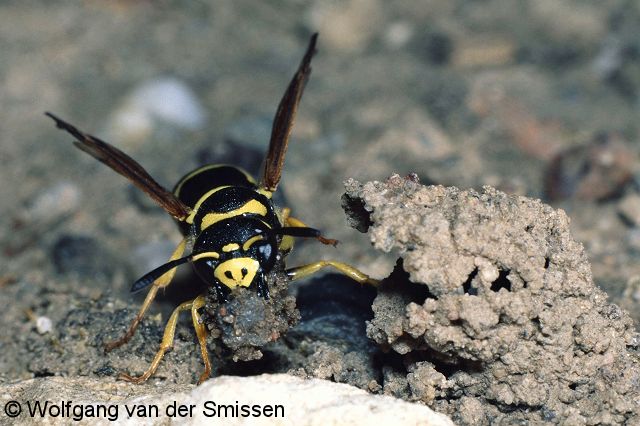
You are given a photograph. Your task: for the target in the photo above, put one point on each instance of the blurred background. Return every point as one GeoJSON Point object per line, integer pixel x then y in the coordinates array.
{"type": "Point", "coordinates": [536, 98]}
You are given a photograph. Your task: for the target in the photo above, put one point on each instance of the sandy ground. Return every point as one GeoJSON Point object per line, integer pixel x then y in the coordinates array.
{"type": "Point", "coordinates": [535, 98]}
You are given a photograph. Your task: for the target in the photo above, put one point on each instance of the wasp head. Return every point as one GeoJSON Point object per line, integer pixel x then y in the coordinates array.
{"type": "Point", "coordinates": [236, 252]}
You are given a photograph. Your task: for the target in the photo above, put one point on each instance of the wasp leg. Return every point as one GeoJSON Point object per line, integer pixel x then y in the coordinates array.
{"type": "Point", "coordinates": [201, 332]}
{"type": "Point", "coordinates": [161, 282]}
{"type": "Point", "coordinates": [348, 270]}
{"type": "Point", "coordinates": [167, 343]}
{"type": "Point", "coordinates": [297, 223]}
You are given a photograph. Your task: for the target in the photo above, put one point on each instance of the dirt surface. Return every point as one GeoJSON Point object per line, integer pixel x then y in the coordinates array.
{"type": "Point", "coordinates": [536, 98]}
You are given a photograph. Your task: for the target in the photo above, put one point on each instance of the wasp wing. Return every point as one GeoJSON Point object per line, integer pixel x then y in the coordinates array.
{"type": "Point", "coordinates": [127, 167]}
{"type": "Point", "coordinates": [283, 120]}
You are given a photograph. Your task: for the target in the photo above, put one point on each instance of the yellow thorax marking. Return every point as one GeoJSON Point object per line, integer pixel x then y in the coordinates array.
{"type": "Point", "coordinates": [252, 206]}
{"type": "Point", "coordinates": [250, 242]}
{"type": "Point", "coordinates": [265, 192]}
{"type": "Point", "coordinates": [230, 247]}
{"type": "Point", "coordinates": [189, 218]}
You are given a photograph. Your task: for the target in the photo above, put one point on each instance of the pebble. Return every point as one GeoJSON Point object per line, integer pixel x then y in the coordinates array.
{"type": "Point", "coordinates": [398, 34]}
{"type": "Point", "coordinates": [44, 325]}
{"type": "Point", "coordinates": [596, 171]}
{"type": "Point", "coordinates": [483, 52]}
{"type": "Point", "coordinates": [165, 99]}
{"type": "Point", "coordinates": [347, 26]}
{"type": "Point", "coordinates": [609, 59]}
{"type": "Point", "coordinates": [574, 22]}
{"type": "Point", "coordinates": [56, 201]}
{"type": "Point", "coordinates": [488, 272]}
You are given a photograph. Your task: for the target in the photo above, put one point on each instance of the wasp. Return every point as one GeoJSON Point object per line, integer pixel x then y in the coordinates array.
{"type": "Point", "coordinates": [232, 231]}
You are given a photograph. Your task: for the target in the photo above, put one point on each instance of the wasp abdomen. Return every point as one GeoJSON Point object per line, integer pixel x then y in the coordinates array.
{"type": "Point", "coordinates": [194, 185]}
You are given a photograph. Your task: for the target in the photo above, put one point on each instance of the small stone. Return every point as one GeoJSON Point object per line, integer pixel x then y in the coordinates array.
{"type": "Point", "coordinates": [597, 171]}
{"type": "Point", "coordinates": [346, 26]}
{"type": "Point", "coordinates": [165, 99]}
{"type": "Point", "coordinates": [483, 51]}
{"type": "Point", "coordinates": [398, 34]}
{"type": "Point", "coordinates": [488, 272]}
{"type": "Point", "coordinates": [56, 201]}
{"type": "Point", "coordinates": [609, 59]}
{"type": "Point", "coordinates": [44, 325]}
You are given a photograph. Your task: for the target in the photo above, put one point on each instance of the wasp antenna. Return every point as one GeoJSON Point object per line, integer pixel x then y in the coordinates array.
{"type": "Point", "coordinates": [295, 231]}
{"type": "Point", "coordinates": [149, 278]}
{"type": "Point", "coordinates": [305, 232]}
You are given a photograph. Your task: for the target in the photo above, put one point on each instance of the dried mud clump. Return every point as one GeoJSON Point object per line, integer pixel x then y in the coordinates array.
{"type": "Point", "coordinates": [248, 322]}
{"type": "Point", "coordinates": [493, 310]}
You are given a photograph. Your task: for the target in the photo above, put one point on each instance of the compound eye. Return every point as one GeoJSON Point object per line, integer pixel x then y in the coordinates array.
{"type": "Point", "coordinates": [265, 251]}
{"type": "Point", "coordinates": [205, 269]}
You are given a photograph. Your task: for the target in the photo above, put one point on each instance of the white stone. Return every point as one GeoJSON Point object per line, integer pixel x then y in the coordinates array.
{"type": "Point", "coordinates": [44, 325]}
{"type": "Point", "coordinates": [164, 99]}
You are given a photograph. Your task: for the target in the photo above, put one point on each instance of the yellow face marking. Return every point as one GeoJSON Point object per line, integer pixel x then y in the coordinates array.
{"type": "Point", "coordinates": [230, 247]}
{"type": "Point", "coordinates": [250, 242]}
{"type": "Point", "coordinates": [252, 206]}
{"type": "Point", "coordinates": [212, 254]}
{"type": "Point", "coordinates": [237, 272]}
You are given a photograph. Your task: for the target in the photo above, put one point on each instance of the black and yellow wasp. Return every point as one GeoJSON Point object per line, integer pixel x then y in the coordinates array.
{"type": "Point", "coordinates": [233, 233]}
